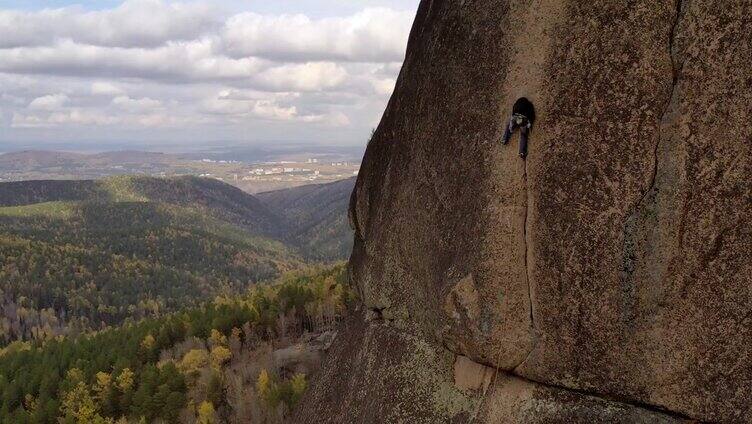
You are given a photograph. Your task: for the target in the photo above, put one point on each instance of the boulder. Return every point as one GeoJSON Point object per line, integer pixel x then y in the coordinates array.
{"type": "Point", "coordinates": [304, 357]}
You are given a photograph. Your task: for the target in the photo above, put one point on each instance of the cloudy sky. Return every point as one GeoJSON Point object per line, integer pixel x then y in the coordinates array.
{"type": "Point", "coordinates": [187, 72]}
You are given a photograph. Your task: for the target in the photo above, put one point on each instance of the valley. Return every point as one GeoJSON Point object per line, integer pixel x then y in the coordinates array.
{"type": "Point", "coordinates": [77, 256]}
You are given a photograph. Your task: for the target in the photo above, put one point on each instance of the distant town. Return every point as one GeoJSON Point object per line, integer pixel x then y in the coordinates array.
{"type": "Point", "coordinates": [277, 174]}
{"type": "Point", "coordinates": [310, 170]}
{"type": "Point", "coordinates": [286, 171]}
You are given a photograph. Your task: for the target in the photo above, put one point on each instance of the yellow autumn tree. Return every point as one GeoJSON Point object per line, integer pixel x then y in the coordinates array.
{"type": "Point", "coordinates": [102, 386]}
{"type": "Point", "coordinates": [217, 338]}
{"type": "Point", "coordinates": [125, 380]}
{"type": "Point", "coordinates": [194, 360]}
{"type": "Point", "coordinates": [265, 388]}
{"type": "Point", "coordinates": [148, 342]}
{"type": "Point", "coordinates": [298, 385]}
{"type": "Point", "coordinates": [220, 355]}
{"type": "Point", "coordinates": [206, 413]}
{"type": "Point", "coordinates": [79, 406]}
{"type": "Point", "coordinates": [30, 403]}
{"type": "Point", "coordinates": [75, 375]}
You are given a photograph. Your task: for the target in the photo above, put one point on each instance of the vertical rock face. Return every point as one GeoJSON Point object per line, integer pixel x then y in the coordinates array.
{"type": "Point", "coordinates": [612, 269]}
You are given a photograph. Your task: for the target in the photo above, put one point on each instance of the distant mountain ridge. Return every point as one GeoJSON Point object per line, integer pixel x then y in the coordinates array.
{"type": "Point", "coordinates": [44, 158]}
{"type": "Point", "coordinates": [214, 197]}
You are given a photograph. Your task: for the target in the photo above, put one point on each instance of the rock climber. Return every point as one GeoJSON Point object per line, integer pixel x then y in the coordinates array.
{"type": "Point", "coordinates": [523, 116]}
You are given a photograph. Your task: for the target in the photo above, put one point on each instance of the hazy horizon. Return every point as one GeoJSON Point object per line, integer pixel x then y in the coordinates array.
{"type": "Point", "coordinates": [156, 74]}
{"type": "Point", "coordinates": [172, 147]}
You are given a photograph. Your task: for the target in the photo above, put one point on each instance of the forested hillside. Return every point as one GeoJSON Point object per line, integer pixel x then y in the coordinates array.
{"type": "Point", "coordinates": [208, 196]}
{"type": "Point", "coordinates": [82, 255]}
{"type": "Point", "coordinates": [225, 361]}
{"type": "Point", "coordinates": [317, 217]}
{"type": "Point", "coordinates": [92, 254]}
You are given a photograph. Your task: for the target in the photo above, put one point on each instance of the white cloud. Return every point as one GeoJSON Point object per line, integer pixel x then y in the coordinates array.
{"type": "Point", "coordinates": [334, 119]}
{"type": "Point", "coordinates": [157, 64]}
{"type": "Point", "coordinates": [105, 88]}
{"type": "Point", "coordinates": [314, 76]}
{"type": "Point", "coordinates": [236, 105]}
{"type": "Point", "coordinates": [74, 116]}
{"type": "Point", "coordinates": [49, 102]}
{"type": "Point", "coordinates": [373, 35]}
{"type": "Point", "coordinates": [89, 117]}
{"type": "Point", "coordinates": [135, 23]}
{"type": "Point", "coordinates": [136, 105]}
{"type": "Point", "coordinates": [174, 62]}
{"type": "Point", "coordinates": [81, 117]}
{"type": "Point", "coordinates": [383, 87]}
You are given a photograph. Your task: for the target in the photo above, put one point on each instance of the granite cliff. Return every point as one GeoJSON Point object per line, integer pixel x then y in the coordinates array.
{"type": "Point", "coordinates": [608, 278]}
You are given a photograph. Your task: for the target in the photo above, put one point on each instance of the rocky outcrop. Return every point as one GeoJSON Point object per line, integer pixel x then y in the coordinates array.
{"type": "Point", "coordinates": [611, 271]}
{"type": "Point", "coordinates": [304, 357]}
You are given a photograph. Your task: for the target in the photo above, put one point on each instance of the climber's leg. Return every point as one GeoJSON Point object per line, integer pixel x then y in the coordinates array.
{"type": "Point", "coordinates": [524, 132]}
{"type": "Point", "coordinates": [508, 132]}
